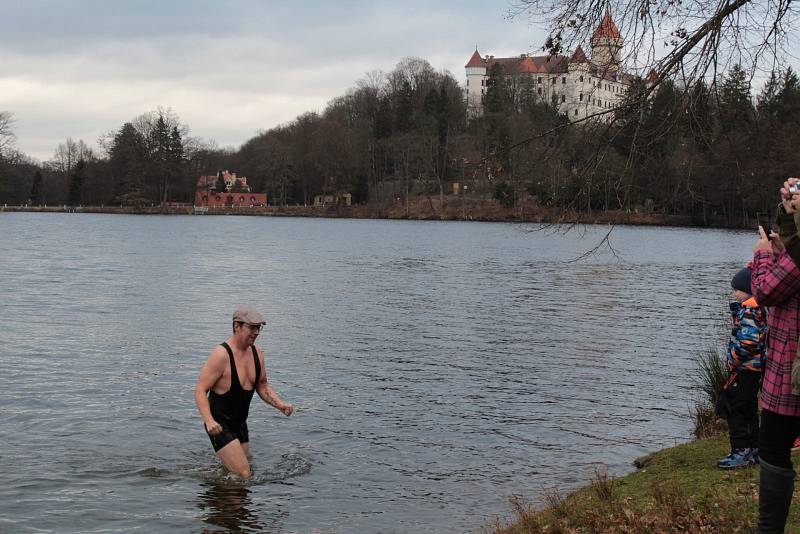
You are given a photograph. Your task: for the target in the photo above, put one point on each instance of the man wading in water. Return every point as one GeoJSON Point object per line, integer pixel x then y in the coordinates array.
{"type": "Point", "coordinates": [233, 371]}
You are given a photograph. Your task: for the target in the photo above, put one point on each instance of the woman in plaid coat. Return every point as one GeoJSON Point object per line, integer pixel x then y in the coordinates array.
{"type": "Point", "coordinates": [776, 284]}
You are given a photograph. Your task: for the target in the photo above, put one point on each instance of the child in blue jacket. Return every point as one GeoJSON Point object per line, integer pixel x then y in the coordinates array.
{"type": "Point", "coordinates": [745, 357]}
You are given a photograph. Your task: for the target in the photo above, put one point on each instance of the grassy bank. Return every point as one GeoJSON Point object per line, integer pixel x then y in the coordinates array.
{"type": "Point", "coordinates": [677, 490]}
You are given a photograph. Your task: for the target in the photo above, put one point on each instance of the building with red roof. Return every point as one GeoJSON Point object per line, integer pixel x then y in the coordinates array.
{"type": "Point", "coordinates": [226, 189]}
{"type": "Point", "coordinates": [577, 85]}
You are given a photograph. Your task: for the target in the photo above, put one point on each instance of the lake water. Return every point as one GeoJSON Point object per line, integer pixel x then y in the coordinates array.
{"type": "Point", "coordinates": [436, 367]}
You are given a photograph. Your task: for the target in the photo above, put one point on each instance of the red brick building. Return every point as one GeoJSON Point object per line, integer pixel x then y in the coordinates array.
{"type": "Point", "coordinates": [235, 193]}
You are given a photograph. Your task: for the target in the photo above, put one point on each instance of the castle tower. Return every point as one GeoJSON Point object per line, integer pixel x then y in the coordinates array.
{"type": "Point", "coordinates": [607, 46]}
{"type": "Point", "coordinates": [476, 80]}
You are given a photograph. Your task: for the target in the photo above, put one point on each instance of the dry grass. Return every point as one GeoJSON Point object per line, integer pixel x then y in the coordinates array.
{"type": "Point", "coordinates": [680, 491]}
{"type": "Point", "coordinates": [707, 424]}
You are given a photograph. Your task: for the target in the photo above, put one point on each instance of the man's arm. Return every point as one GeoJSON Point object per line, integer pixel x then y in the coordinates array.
{"type": "Point", "coordinates": [211, 372]}
{"type": "Point", "coordinates": [267, 394]}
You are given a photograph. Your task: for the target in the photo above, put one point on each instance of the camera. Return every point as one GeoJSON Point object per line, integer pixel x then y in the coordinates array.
{"type": "Point", "coordinates": [794, 188]}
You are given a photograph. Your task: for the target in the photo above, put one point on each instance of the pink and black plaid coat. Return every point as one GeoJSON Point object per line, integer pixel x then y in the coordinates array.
{"type": "Point", "coordinates": [776, 285]}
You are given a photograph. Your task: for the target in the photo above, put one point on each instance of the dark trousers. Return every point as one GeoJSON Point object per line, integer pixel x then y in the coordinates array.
{"type": "Point", "coordinates": [742, 417]}
{"type": "Point", "coordinates": [778, 432]}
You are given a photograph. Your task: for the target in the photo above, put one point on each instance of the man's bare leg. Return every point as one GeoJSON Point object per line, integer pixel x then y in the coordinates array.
{"type": "Point", "coordinates": [234, 458]}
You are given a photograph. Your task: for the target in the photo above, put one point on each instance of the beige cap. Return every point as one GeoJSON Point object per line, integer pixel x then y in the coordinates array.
{"type": "Point", "coordinates": [247, 314]}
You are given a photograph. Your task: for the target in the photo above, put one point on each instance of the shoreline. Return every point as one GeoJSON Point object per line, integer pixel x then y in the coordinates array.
{"type": "Point", "coordinates": [676, 489]}
{"type": "Point", "coordinates": [457, 209]}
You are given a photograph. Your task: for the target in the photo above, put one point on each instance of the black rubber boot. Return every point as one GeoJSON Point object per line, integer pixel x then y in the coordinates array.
{"type": "Point", "coordinates": [774, 498]}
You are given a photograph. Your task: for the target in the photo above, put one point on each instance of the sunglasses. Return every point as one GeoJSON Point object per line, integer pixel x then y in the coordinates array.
{"type": "Point", "coordinates": [253, 327]}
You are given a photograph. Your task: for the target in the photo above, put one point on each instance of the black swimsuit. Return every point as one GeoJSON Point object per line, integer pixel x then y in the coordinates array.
{"type": "Point", "coordinates": [230, 408]}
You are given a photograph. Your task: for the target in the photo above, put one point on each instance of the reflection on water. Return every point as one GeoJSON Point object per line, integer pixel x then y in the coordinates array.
{"type": "Point", "coordinates": [229, 506]}
{"type": "Point", "coordinates": [227, 501]}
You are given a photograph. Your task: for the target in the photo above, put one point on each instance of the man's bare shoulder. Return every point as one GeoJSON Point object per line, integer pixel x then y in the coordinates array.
{"type": "Point", "coordinates": [214, 367]}
{"type": "Point", "coordinates": [218, 355]}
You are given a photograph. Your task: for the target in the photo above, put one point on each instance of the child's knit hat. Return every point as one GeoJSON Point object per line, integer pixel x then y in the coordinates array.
{"type": "Point", "coordinates": [741, 280]}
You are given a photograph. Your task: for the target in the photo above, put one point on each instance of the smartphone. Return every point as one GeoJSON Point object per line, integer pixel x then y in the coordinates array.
{"type": "Point", "coordinates": [765, 222]}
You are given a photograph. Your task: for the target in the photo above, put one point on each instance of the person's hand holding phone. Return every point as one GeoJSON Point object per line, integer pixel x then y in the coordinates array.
{"type": "Point", "coordinates": [777, 244]}
{"type": "Point", "coordinates": [790, 194]}
{"type": "Point", "coordinates": [763, 242]}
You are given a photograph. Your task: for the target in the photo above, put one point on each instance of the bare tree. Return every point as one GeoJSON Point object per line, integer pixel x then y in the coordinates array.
{"type": "Point", "coordinates": [7, 137]}
{"type": "Point", "coordinates": [690, 40]}
{"type": "Point", "coordinates": [69, 153]}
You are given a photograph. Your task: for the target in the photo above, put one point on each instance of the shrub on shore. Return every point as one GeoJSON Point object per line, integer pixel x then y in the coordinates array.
{"type": "Point", "coordinates": [710, 377]}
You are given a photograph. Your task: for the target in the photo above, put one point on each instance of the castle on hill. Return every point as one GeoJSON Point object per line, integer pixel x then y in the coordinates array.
{"type": "Point", "coordinates": [577, 86]}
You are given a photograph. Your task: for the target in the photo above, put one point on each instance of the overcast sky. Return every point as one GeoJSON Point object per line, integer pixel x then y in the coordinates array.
{"type": "Point", "coordinates": [81, 68]}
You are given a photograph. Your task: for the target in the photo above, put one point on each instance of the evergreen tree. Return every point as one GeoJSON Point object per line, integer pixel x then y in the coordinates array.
{"type": "Point", "coordinates": [159, 159]}
{"type": "Point", "coordinates": [219, 186]}
{"type": "Point", "coordinates": [736, 107]}
{"type": "Point", "coordinates": [768, 99]}
{"type": "Point", "coordinates": [77, 179]}
{"type": "Point", "coordinates": [789, 108]}
{"type": "Point", "coordinates": [127, 158]}
{"type": "Point", "coordinates": [36, 196]}
{"type": "Point", "coordinates": [175, 164]}
{"type": "Point", "coordinates": [496, 100]}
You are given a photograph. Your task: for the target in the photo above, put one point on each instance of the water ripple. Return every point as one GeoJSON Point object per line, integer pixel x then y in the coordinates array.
{"type": "Point", "coordinates": [437, 367]}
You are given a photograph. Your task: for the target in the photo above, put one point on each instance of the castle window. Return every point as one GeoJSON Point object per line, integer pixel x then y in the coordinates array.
{"type": "Point", "coordinates": [563, 79]}
{"type": "Point", "coordinates": [539, 80]}
{"type": "Point", "coordinates": [580, 97]}
{"type": "Point", "coordinates": [467, 82]}
{"type": "Point", "coordinates": [563, 98]}
{"type": "Point", "coordinates": [552, 80]}
{"type": "Point", "coordinates": [539, 90]}
{"type": "Point", "coordinates": [581, 78]}
{"type": "Point", "coordinates": [576, 112]}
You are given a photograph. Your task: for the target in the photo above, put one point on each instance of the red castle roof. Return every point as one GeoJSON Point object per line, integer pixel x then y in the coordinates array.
{"type": "Point", "coordinates": [523, 63]}
{"type": "Point", "coordinates": [607, 28]}
{"type": "Point", "coordinates": [476, 60]}
{"type": "Point", "coordinates": [579, 56]}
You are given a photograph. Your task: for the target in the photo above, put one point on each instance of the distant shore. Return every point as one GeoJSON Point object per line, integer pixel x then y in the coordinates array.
{"type": "Point", "coordinates": [454, 209]}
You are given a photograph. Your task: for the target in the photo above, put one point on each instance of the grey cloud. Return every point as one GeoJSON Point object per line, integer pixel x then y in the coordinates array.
{"type": "Point", "coordinates": [82, 67]}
